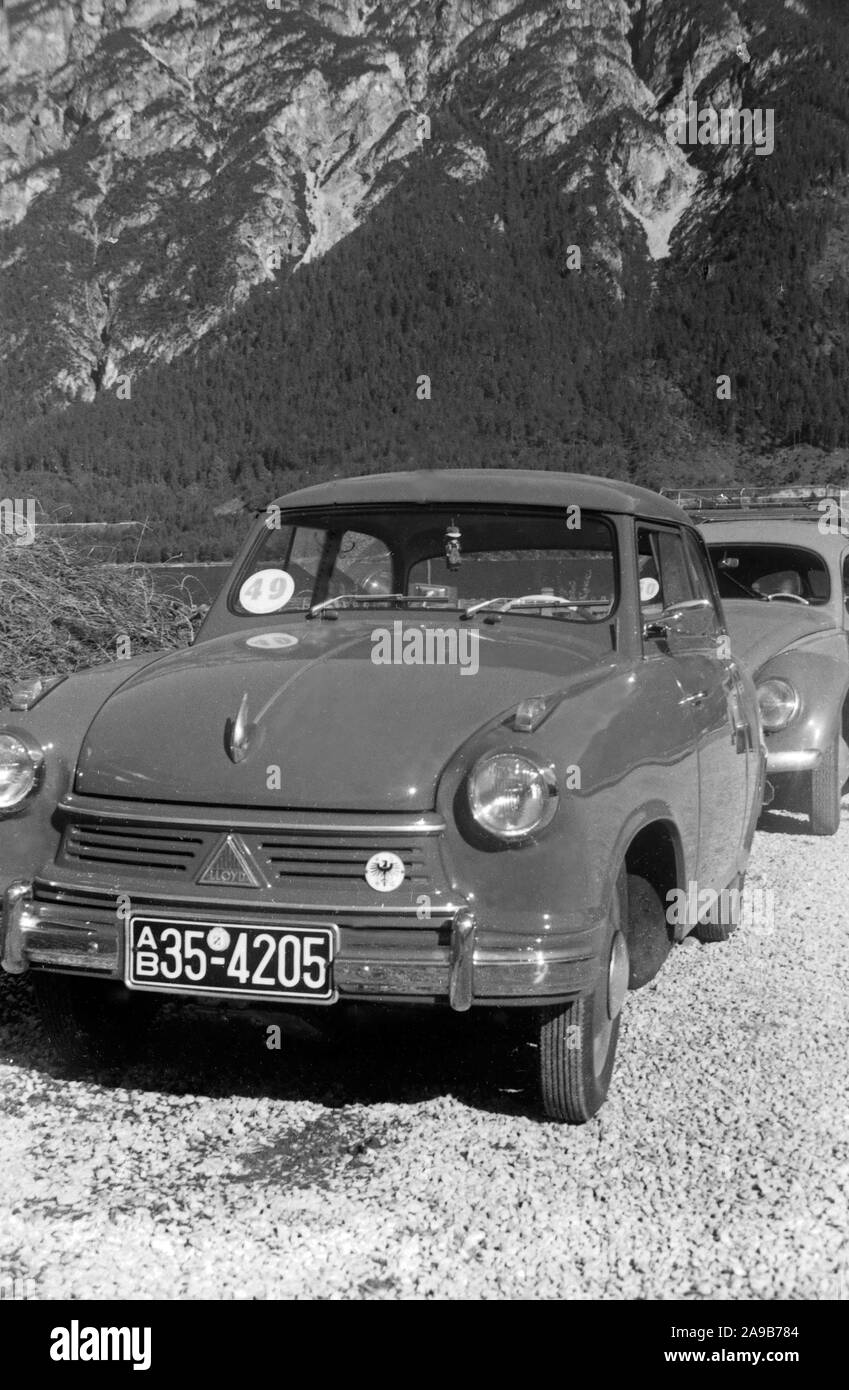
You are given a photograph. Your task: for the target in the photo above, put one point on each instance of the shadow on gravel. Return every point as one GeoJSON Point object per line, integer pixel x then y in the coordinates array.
{"type": "Point", "coordinates": [786, 817]}
{"type": "Point", "coordinates": [314, 1155]}
{"type": "Point", "coordinates": [783, 822]}
{"type": "Point", "coordinates": [366, 1055]}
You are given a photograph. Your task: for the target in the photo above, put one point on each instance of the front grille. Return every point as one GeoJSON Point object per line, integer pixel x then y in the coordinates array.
{"type": "Point", "coordinates": [90, 845]}
{"type": "Point", "coordinates": [94, 901]}
{"type": "Point", "coordinates": [309, 864]}
{"type": "Point", "coordinates": [305, 857]}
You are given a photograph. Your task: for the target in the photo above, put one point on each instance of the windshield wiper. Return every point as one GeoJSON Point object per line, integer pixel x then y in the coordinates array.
{"type": "Point", "coordinates": [318, 608]}
{"type": "Point", "coordinates": [394, 599]}
{"type": "Point", "coordinates": [525, 601]}
{"type": "Point", "coordinates": [568, 607]}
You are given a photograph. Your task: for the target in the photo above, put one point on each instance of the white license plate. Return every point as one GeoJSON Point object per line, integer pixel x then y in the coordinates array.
{"type": "Point", "coordinates": [267, 962]}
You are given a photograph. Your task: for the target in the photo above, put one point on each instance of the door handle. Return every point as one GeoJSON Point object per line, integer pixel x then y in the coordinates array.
{"type": "Point", "coordinates": [697, 699]}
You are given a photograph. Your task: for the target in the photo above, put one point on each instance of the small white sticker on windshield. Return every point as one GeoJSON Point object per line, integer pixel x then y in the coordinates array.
{"type": "Point", "coordinates": [649, 589]}
{"type": "Point", "coordinates": [267, 591]}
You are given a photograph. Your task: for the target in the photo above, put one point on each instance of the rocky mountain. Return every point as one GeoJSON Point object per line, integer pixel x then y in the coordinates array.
{"type": "Point", "coordinates": [166, 166]}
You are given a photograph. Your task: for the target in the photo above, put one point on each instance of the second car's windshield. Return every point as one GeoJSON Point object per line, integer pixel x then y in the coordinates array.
{"type": "Point", "coordinates": [435, 557]}
{"type": "Point", "coordinates": [770, 571]}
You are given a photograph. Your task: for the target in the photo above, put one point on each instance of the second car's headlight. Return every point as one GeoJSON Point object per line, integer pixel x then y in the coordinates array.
{"type": "Point", "coordinates": [778, 703]}
{"type": "Point", "coordinates": [19, 769]}
{"type": "Point", "coordinates": [511, 796]}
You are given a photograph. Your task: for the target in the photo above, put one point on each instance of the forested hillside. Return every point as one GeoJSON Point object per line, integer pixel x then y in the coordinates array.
{"type": "Point", "coordinates": [499, 314]}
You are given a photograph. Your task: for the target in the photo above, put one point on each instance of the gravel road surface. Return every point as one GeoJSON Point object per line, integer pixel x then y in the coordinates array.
{"type": "Point", "coordinates": [408, 1161]}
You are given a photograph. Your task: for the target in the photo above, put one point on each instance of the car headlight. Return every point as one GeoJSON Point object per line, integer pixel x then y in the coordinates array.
{"type": "Point", "coordinates": [20, 767]}
{"type": "Point", "coordinates": [778, 703]}
{"type": "Point", "coordinates": [511, 796]}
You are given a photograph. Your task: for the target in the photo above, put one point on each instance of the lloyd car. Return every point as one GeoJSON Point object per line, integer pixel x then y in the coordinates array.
{"type": "Point", "coordinates": [444, 738]}
{"type": "Point", "coordinates": [781, 558]}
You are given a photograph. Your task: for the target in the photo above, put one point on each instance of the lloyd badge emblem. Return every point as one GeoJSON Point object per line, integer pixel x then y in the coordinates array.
{"type": "Point", "coordinates": [231, 866]}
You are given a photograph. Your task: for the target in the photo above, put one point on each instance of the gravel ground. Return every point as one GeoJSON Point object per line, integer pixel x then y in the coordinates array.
{"type": "Point", "coordinates": [408, 1161]}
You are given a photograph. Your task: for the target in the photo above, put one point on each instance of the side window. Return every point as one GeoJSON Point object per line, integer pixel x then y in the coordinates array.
{"type": "Point", "coordinates": [651, 594]}
{"type": "Point", "coordinates": [664, 573]}
{"type": "Point", "coordinates": [846, 579]}
{"type": "Point", "coordinates": [674, 574]}
{"type": "Point", "coordinates": [704, 584]}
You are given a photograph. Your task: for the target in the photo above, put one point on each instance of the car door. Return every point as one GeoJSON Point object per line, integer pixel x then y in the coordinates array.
{"type": "Point", "coordinates": [728, 742]}
{"type": "Point", "coordinates": [844, 600]}
{"type": "Point", "coordinates": [708, 691]}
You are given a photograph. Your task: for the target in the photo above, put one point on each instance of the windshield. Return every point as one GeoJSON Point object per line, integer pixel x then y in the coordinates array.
{"type": "Point", "coordinates": [765, 570]}
{"type": "Point", "coordinates": [545, 563]}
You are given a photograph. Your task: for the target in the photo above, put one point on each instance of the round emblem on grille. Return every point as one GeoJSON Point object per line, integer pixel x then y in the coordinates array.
{"type": "Point", "coordinates": [385, 871]}
{"type": "Point", "coordinates": [218, 939]}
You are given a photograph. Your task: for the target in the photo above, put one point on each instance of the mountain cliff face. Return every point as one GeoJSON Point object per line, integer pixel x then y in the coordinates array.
{"type": "Point", "coordinates": [158, 158]}
{"type": "Point", "coordinates": [179, 178]}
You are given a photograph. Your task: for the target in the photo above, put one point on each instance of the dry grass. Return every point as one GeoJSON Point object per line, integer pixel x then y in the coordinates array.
{"type": "Point", "coordinates": [60, 610]}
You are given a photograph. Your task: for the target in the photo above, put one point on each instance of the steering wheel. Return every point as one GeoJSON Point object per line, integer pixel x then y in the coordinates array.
{"type": "Point", "coordinates": [788, 598]}
{"type": "Point", "coordinates": [374, 583]}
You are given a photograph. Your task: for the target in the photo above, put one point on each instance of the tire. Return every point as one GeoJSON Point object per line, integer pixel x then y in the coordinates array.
{"type": "Point", "coordinates": [708, 932]}
{"type": "Point", "coordinates": [577, 1041]}
{"type": "Point", "coordinates": [650, 936]}
{"type": "Point", "coordinates": [91, 1022]}
{"type": "Point", "coordinates": [824, 808]}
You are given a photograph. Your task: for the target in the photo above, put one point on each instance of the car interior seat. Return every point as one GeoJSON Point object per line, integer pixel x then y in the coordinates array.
{"type": "Point", "coordinates": [782, 582]}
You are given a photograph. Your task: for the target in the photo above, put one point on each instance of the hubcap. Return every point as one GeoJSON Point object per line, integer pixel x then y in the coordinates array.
{"type": "Point", "coordinates": [618, 971]}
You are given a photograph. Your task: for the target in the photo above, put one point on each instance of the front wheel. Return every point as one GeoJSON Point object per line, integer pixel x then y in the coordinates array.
{"type": "Point", "coordinates": [824, 808]}
{"type": "Point", "coordinates": [91, 1022]}
{"type": "Point", "coordinates": [577, 1041]}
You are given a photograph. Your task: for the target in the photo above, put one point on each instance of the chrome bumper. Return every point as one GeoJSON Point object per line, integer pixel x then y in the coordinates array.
{"type": "Point", "coordinates": [469, 970]}
{"type": "Point", "coordinates": [793, 760]}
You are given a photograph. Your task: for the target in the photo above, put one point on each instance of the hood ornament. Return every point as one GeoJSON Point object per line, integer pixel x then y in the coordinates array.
{"type": "Point", "coordinates": [238, 733]}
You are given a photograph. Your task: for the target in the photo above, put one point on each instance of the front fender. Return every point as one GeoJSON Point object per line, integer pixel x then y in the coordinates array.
{"type": "Point", "coordinates": [633, 771]}
{"type": "Point", "coordinates": [58, 723]}
{"type": "Point", "coordinates": [818, 670]}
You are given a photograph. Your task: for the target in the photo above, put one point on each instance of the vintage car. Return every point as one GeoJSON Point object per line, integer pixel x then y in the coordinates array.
{"type": "Point", "coordinates": [789, 548]}
{"type": "Point", "coordinates": [444, 738]}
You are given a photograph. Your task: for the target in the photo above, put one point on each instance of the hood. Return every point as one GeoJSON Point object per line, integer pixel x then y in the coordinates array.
{"type": "Point", "coordinates": [760, 630]}
{"type": "Point", "coordinates": [328, 727]}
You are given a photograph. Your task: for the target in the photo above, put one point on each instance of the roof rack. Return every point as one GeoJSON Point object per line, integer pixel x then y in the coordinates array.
{"type": "Point", "coordinates": [798, 500]}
